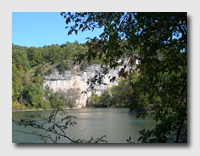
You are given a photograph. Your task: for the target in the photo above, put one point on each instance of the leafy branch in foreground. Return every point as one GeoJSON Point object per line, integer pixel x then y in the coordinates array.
{"type": "Point", "coordinates": [54, 129]}
{"type": "Point", "coordinates": [159, 42]}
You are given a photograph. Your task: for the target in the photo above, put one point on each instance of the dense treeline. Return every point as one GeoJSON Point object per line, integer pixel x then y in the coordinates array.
{"type": "Point", "coordinates": [30, 64]}
{"type": "Point", "coordinates": [115, 96]}
{"type": "Point", "coordinates": [28, 67]}
{"type": "Point", "coordinates": [123, 95]}
{"type": "Point", "coordinates": [31, 57]}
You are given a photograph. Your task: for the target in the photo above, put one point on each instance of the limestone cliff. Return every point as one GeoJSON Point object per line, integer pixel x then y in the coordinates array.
{"type": "Point", "coordinates": [72, 83]}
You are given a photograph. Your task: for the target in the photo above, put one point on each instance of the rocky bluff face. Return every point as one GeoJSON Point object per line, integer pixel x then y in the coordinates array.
{"type": "Point", "coordinates": [72, 83]}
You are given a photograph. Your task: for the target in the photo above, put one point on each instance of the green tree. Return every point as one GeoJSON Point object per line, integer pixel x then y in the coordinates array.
{"type": "Point", "coordinates": [71, 103]}
{"type": "Point", "coordinates": [63, 67]}
{"type": "Point", "coordinates": [18, 83]}
{"type": "Point", "coordinates": [94, 100]}
{"type": "Point", "coordinates": [37, 80]}
{"type": "Point", "coordinates": [35, 56]}
{"type": "Point", "coordinates": [47, 91]}
{"type": "Point", "coordinates": [120, 93]}
{"type": "Point", "coordinates": [20, 57]}
{"type": "Point", "coordinates": [35, 95]}
{"type": "Point", "coordinates": [161, 41]}
{"type": "Point", "coordinates": [105, 99]}
{"type": "Point", "coordinates": [58, 100]}
{"type": "Point", "coordinates": [38, 71]}
{"type": "Point", "coordinates": [70, 50]}
{"type": "Point", "coordinates": [116, 96]}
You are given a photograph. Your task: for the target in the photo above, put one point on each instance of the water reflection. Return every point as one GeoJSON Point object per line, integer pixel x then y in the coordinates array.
{"type": "Point", "coordinates": [116, 123]}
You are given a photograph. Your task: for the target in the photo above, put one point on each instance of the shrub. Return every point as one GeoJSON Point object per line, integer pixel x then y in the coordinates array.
{"type": "Point", "coordinates": [22, 106]}
{"type": "Point", "coordinates": [38, 71]}
{"type": "Point", "coordinates": [50, 71]}
{"type": "Point", "coordinates": [63, 66]}
{"type": "Point", "coordinates": [43, 62]}
{"type": "Point", "coordinates": [71, 103]}
{"type": "Point", "coordinates": [45, 105]}
{"type": "Point", "coordinates": [29, 106]}
{"type": "Point", "coordinates": [16, 105]}
{"type": "Point", "coordinates": [83, 66]}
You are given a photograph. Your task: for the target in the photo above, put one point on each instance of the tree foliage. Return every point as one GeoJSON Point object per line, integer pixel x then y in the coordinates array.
{"type": "Point", "coordinates": [63, 67]}
{"type": "Point", "coordinates": [27, 89]}
{"type": "Point", "coordinates": [116, 96]}
{"type": "Point", "coordinates": [161, 42]}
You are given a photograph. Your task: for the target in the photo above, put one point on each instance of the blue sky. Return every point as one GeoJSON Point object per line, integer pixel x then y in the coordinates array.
{"type": "Point", "coordinates": [44, 28]}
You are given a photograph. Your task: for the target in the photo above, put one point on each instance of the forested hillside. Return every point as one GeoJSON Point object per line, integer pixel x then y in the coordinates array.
{"type": "Point", "coordinates": [29, 65]}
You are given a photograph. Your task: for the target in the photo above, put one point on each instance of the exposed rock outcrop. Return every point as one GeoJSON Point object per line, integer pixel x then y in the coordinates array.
{"type": "Point", "coordinates": [72, 83]}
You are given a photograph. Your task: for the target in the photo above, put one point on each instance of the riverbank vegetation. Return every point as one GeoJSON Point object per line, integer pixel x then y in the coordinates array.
{"type": "Point", "coordinates": [114, 97]}
{"type": "Point", "coordinates": [160, 40]}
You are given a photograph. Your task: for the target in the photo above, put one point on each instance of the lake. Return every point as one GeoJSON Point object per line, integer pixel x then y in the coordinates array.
{"type": "Point", "coordinates": [116, 123]}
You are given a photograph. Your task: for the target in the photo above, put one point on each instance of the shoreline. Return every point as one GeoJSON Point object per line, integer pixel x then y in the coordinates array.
{"type": "Point", "coordinates": [130, 112]}
{"type": "Point", "coordinates": [38, 110]}
{"type": "Point", "coordinates": [63, 108]}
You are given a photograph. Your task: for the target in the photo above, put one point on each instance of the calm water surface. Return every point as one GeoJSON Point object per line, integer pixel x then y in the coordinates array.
{"type": "Point", "coordinates": [116, 123]}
